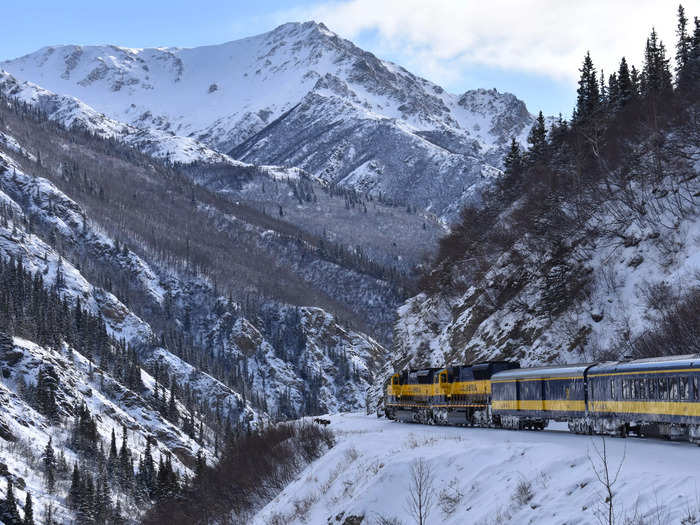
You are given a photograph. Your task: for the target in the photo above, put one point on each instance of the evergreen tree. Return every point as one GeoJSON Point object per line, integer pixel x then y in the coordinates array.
{"type": "Point", "coordinates": [613, 92]}
{"type": "Point", "coordinates": [28, 510]}
{"type": "Point", "coordinates": [684, 47]}
{"type": "Point", "coordinates": [147, 472]}
{"type": "Point", "coordinates": [513, 162]}
{"type": "Point", "coordinates": [537, 140]}
{"type": "Point", "coordinates": [126, 468]}
{"type": "Point", "coordinates": [86, 509]}
{"type": "Point", "coordinates": [8, 508]}
{"type": "Point", "coordinates": [690, 81]}
{"type": "Point", "coordinates": [75, 494]}
{"type": "Point", "coordinates": [48, 513]}
{"type": "Point", "coordinates": [50, 466]}
{"type": "Point", "coordinates": [113, 457]}
{"type": "Point", "coordinates": [656, 75]}
{"type": "Point", "coordinates": [626, 89]}
{"type": "Point", "coordinates": [588, 93]}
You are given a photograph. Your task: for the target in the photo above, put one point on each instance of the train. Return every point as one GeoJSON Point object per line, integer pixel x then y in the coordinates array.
{"type": "Point", "coordinates": [657, 397]}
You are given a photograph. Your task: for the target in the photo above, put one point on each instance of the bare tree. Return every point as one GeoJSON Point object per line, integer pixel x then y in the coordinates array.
{"type": "Point", "coordinates": [603, 471]}
{"type": "Point", "coordinates": [420, 491]}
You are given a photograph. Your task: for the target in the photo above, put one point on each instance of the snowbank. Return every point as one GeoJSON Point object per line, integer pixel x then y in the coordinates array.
{"type": "Point", "coordinates": [484, 475]}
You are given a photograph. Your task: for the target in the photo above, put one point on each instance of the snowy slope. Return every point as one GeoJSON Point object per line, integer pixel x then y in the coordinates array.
{"type": "Point", "coordinates": [364, 478]}
{"type": "Point", "coordinates": [44, 202]}
{"type": "Point", "coordinates": [80, 382]}
{"type": "Point", "coordinates": [71, 112]}
{"type": "Point", "coordinates": [233, 95]}
{"type": "Point", "coordinates": [324, 344]}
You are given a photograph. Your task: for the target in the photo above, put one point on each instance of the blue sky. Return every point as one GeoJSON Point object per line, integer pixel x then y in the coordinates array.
{"type": "Point", "coordinates": [531, 48]}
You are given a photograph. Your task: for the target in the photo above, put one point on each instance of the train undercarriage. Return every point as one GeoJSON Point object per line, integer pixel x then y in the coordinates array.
{"type": "Point", "coordinates": [482, 417]}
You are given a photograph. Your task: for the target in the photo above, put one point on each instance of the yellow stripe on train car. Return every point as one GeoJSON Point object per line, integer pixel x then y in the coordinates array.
{"type": "Point", "coordinates": [552, 405]}
{"type": "Point", "coordinates": [668, 408]}
{"type": "Point", "coordinates": [470, 387]}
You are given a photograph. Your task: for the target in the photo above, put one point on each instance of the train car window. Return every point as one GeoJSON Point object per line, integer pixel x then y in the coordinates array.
{"type": "Point", "coordinates": [652, 388]}
{"type": "Point", "coordinates": [684, 391]}
{"type": "Point", "coordinates": [674, 388]}
{"type": "Point", "coordinates": [635, 392]}
{"type": "Point", "coordinates": [642, 388]}
{"type": "Point", "coordinates": [696, 391]}
{"type": "Point", "coordinates": [625, 389]}
{"type": "Point", "coordinates": [612, 388]}
{"type": "Point", "coordinates": [663, 388]}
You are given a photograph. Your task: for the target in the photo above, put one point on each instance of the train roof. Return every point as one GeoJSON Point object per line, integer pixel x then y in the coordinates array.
{"type": "Point", "coordinates": [543, 371]}
{"type": "Point", "coordinates": [424, 371]}
{"type": "Point", "coordinates": [653, 363]}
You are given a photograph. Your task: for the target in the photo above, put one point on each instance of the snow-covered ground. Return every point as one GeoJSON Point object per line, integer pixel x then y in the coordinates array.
{"type": "Point", "coordinates": [477, 472]}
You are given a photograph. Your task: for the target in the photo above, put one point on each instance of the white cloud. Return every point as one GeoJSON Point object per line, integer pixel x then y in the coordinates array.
{"type": "Point", "coordinates": [545, 37]}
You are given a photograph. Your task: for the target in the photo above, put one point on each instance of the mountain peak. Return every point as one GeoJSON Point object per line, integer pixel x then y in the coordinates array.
{"type": "Point", "coordinates": [230, 95]}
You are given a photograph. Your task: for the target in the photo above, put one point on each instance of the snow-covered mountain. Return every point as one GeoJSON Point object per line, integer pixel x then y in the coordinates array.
{"type": "Point", "coordinates": [299, 96]}
{"type": "Point", "coordinates": [63, 235]}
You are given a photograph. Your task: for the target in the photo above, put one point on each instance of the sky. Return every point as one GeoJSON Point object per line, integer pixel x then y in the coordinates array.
{"type": "Point", "coordinates": [530, 48]}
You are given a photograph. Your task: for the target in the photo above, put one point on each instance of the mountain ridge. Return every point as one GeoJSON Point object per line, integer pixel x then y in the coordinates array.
{"type": "Point", "coordinates": [229, 95]}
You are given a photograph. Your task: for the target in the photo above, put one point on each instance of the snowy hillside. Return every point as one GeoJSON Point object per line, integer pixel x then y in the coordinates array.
{"type": "Point", "coordinates": [266, 97]}
{"type": "Point", "coordinates": [271, 376]}
{"type": "Point", "coordinates": [588, 249]}
{"type": "Point", "coordinates": [486, 476]}
{"type": "Point", "coordinates": [113, 406]}
{"type": "Point", "coordinates": [71, 112]}
{"type": "Point", "coordinates": [27, 196]}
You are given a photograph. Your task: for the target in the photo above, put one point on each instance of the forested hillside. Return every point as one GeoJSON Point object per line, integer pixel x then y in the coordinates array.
{"type": "Point", "coordinates": [115, 332]}
{"type": "Point", "coordinates": [589, 246]}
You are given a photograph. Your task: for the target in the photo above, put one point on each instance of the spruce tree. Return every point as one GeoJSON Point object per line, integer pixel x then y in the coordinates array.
{"type": "Point", "coordinates": [46, 388]}
{"type": "Point", "coordinates": [625, 86]}
{"type": "Point", "coordinates": [49, 466]}
{"type": "Point", "coordinates": [8, 510]}
{"type": "Point", "coordinates": [28, 510]}
{"type": "Point", "coordinates": [588, 93]}
{"type": "Point", "coordinates": [75, 493]}
{"type": "Point", "coordinates": [126, 468]}
{"type": "Point", "coordinates": [613, 92]}
{"type": "Point", "coordinates": [537, 140]}
{"type": "Point", "coordinates": [684, 46]}
{"type": "Point", "coordinates": [656, 75]}
{"type": "Point", "coordinates": [513, 162]}
{"type": "Point", "coordinates": [691, 76]}
{"type": "Point", "coordinates": [113, 457]}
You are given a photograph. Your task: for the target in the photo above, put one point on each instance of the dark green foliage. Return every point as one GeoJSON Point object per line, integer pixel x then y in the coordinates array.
{"type": "Point", "coordinates": [9, 514]}
{"type": "Point", "coordinates": [656, 75]}
{"type": "Point", "coordinates": [37, 312]}
{"type": "Point", "coordinates": [49, 460]}
{"type": "Point", "coordinates": [126, 464]}
{"type": "Point", "coordinates": [626, 89]}
{"type": "Point", "coordinates": [84, 436]}
{"type": "Point", "coordinates": [46, 390]}
{"type": "Point", "coordinates": [537, 139]}
{"type": "Point", "coordinates": [75, 494]}
{"type": "Point", "coordinates": [513, 162]}
{"type": "Point", "coordinates": [146, 476]}
{"type": "Point", "coordinates": [588, 99]}
{"type": "Point", "coordinates": [28, 510]}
